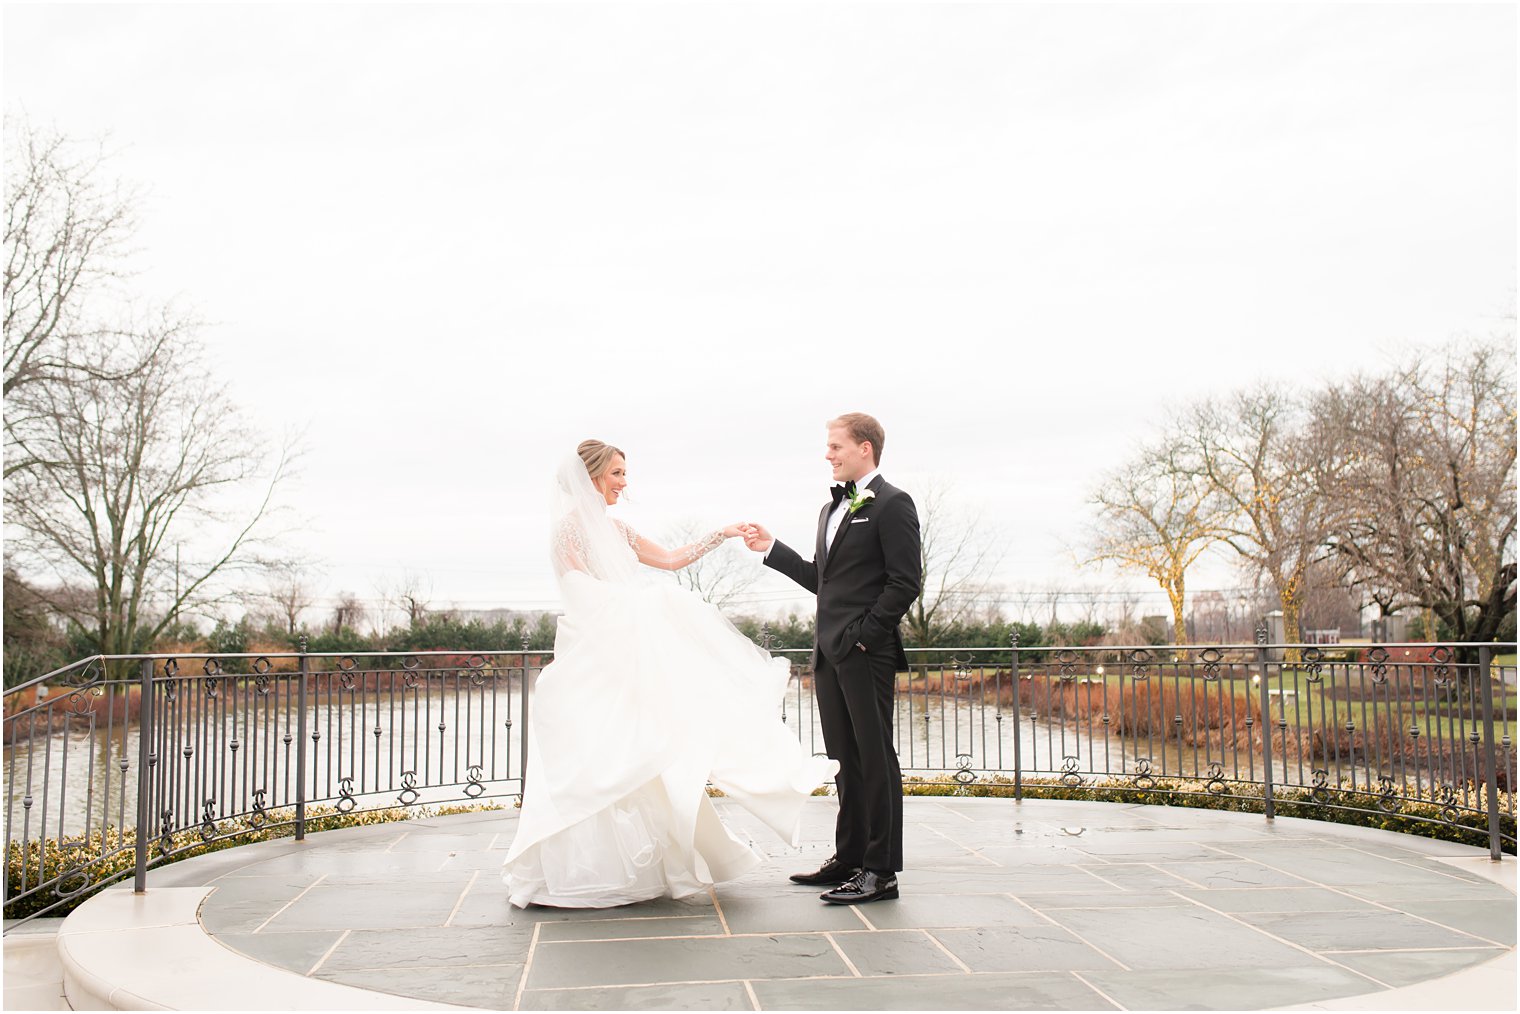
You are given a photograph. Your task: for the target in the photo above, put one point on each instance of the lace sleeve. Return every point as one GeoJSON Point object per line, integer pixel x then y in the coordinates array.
{"type": "Point", "coordinates": [696, 550]}
{"type": "Point", "coordinates": [629, 534]}
{"type": "Point", "coordinates": [569, 545]}
{"type": "Point", "coordinates": [653, 555]}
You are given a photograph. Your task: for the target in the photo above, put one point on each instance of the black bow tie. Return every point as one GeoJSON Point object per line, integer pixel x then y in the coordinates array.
{"type": "Point", "coordinates": [840, 492]}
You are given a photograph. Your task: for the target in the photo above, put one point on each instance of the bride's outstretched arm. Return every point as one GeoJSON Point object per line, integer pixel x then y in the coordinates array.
{"type": "Point", "coordinates": [652, 554]}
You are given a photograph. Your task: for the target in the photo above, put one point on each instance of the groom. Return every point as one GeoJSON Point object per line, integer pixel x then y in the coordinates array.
{"type": "Point", "coordinates": [866, 572]}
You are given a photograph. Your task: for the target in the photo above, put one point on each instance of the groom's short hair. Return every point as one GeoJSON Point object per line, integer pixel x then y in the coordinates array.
{"type": "Point", "coordinates": [862, 428]}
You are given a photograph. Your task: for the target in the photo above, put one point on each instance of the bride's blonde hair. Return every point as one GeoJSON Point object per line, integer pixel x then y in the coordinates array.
{"type": "Point", "coordinates": [597, 456]}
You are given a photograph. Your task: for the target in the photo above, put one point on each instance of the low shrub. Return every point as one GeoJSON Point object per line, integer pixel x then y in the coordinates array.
{"type": "Point", "coordinates": [1334, 805]}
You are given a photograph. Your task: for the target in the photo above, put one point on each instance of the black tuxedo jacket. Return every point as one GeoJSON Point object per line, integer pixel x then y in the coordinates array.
{"type": "Point", "coordinates": [866, 580]}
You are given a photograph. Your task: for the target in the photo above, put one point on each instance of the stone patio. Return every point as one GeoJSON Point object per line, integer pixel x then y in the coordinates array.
{"type": "Point", "coordinates": [1037, 905]}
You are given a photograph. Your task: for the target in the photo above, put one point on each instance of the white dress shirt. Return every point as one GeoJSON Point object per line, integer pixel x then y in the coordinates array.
{"type": "Point", "coordinates": [836, 517]}
{"type": "Point", "coordinates": [842, 511]}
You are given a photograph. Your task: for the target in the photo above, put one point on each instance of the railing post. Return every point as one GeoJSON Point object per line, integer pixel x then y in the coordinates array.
{"type": "Point", "coordinates": [1491, 756]}
{"type": "Point", "coordinates": [1018, 727]}
{"type": "Point", "coordinates": [522, 781]}
{"type": "Point", "coordinates": [144, 761]}
{"type": "Point", "coordinates": [1266, 721]}
{"type": "Point", "coordinates": [301, 744]}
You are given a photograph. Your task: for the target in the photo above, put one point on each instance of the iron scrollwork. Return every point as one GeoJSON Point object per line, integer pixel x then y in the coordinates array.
{"type": "Point", "coordinates": [1449, 804]}
{"type": "Point", "coordinates": [475, 787]}
{"type": "Point", "coordinates": [166, 833]}
{"type": "Point", "coordinates": [1071, 775]}
{"type": "Point", "coordinates": [75, 877]}
{"type": "Point", "coordinates": [1378, 656]}
{"type": "Point", "coordinates": [409, 793]}
{"type": "Point", "coordinates": [260, 815]}
{"type": "Point", "coordinates": [1313, 664]}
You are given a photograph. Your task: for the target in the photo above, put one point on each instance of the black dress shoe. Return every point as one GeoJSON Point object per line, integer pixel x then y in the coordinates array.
{"type": "Point", "coordinates": [863, 887]}
{"type": "Point", "coordinates": [831, 872]}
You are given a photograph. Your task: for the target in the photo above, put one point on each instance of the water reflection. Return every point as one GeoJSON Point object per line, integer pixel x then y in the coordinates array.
{"type": "Point", "coordinates": [82, 777]}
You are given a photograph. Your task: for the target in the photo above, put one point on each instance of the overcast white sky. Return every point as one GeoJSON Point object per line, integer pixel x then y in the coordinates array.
{"type": "Point", "coordinates": [451, 241]}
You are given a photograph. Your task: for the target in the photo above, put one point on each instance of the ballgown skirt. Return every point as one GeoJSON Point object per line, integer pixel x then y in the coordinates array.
{"type": "Point", "coordinates": [652, 694]}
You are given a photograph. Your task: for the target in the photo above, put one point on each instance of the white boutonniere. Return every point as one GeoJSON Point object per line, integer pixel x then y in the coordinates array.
{"type": "Point", "coordinates": [860, 499]}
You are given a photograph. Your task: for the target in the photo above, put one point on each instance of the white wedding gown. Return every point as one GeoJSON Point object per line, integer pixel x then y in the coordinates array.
{"type": "Point", "coordinates": [652, 694]}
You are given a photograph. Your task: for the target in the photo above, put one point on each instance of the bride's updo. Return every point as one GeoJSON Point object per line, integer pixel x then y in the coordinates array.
{"type": "Point", "coordinates": [597, 456]}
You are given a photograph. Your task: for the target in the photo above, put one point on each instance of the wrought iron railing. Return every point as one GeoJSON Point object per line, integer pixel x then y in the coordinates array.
{"type": "Point", "coordinates": [1425, 731]}
{"type": "Point", "coordinates": [117, 764]}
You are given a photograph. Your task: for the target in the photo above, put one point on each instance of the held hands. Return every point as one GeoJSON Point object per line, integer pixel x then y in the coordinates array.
{"type": "Point", "coordinates": [755, 536]}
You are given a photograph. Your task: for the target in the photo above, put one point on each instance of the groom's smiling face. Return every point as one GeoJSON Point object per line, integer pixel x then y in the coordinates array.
{"type": "Point", "coordinates": [850, 460]}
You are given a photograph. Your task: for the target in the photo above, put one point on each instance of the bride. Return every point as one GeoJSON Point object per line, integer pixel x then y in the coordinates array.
{"type": "Point", "coordinates": [652, 694]}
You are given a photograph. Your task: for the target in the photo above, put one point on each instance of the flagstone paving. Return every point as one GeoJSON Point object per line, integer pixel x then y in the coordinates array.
{"type": "Point", "coordinates": [1037, 905]}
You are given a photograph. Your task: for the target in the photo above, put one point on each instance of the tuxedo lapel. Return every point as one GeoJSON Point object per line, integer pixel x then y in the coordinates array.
{"type": "Point", "coordinates": [820, 551]}
{"type": "Point", "coordinates": [844, 525]}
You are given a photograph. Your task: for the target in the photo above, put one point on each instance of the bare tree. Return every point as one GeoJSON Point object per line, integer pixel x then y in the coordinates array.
{"type": "Point", "coordinates": [1428, 493]}
{"type": "Point", "coordinates": [1157, 515]}
{"type": "Point", "coordinates": [128, 466]}
{"type": "Point", "coordinates": [348, 612]}
{"type": "Point", "coordinates": [291, 591]}
{"type": "Point", "coordinates": [67, 230]}
{"type": "Point", "coordinates": [721, 576]}
{"type": "Point", "coordinates": [1268, 464]}
{"type": "Point", "coordinates": [960, 553]}
{"type": "Point", "coordinates": [413, 593]}
{"type": "Point", "coordinates": [67, 225]}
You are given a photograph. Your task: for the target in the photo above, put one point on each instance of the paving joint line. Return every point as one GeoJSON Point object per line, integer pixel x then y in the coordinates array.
{"type": "Point", "coordinates": [289, 903]}
{"type": "Point", "coordinates": [522, 983]}
{"type": "Point", "coordinates": [1078, 976]}
{"type": "Point", "coordinates": [862, 917]}
{"type": "Point", "coordinates": [1284, 940]}
{"type": "Point", "coordinates": [842, 955]}
{"type": "Point", "coordinates": [418, 968]}
{"type": "Point", "coordinates": [328, 953]}
{"type": "Point", "coordinates": [460, 903]}
{"type": "Point", "coordinates": [948, 953]}
{"type": "Point", "coordinates": [1409, 950]}
{"type": "Point", "coordinates": [625, 918]}
{"type": "Point", "coordinates": [951, 809]}
{"type": "Point", "coordinates": [1074, 933]}
{"type": "Point", "coordinates": [712, 892]}
{"type": "Point", "coordinates": [960, 845]}
{"type": "Point", "coordinates": [1110, 883]}
{"type": "Point", "coordinates": [702, 982]}
{"type": "Point", "coordinates": [754, 1000]}
{"type": "Point", "coordinates": [1386, 907]}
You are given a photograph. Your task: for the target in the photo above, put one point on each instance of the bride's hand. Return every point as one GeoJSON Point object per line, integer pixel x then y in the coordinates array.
{"type": "Point", "coordinates": [756, 537]}
{"type": "Point", "coordinates": [738, 531]}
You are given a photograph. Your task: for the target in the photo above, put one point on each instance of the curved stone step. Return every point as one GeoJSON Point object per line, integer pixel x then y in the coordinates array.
{"type": "Point", "coordinates": [125, 951]}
